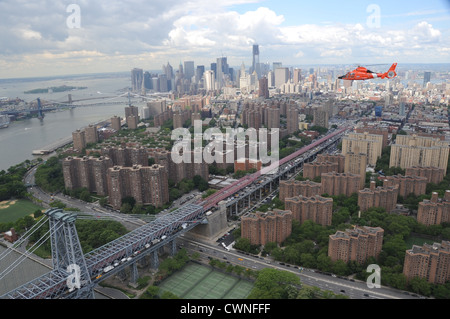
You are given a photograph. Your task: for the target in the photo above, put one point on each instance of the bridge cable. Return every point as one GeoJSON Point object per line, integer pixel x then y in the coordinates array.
{"type": "Point", "coordinates": [28, 253]}
{"type": "Point", "coordinates": [24, 237]}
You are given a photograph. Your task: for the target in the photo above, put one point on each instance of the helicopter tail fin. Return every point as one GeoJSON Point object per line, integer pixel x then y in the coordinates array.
{"type": "Point", "coordinates": [391, 72]}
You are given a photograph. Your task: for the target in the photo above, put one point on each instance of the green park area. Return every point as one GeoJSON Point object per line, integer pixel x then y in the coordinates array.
{"type": "Point", "coordinates": [12, 210]}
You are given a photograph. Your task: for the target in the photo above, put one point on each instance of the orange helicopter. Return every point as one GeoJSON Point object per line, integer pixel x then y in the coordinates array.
{"type": "Point", "coordinates": [362, 73]}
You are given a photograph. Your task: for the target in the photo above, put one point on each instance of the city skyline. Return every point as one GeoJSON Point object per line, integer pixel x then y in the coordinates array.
{"type": "Point", "coordinates": [55, 38]}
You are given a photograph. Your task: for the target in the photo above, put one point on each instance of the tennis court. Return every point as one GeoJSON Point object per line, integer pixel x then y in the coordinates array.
{"type": "Point", "coordinates": [195, 281]}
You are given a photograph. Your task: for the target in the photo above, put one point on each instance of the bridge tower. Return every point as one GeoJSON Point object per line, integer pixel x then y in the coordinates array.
{"type": "Point", "coordinates": [67, 254]}
{"type": "Point", "coordinates": [40, 113]}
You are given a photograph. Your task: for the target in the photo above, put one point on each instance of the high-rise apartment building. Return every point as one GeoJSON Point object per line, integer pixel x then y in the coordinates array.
{"type": "Point", "coordinates": [314, 169]}
{"type": "Point", "coordinates": [407, 184]}
{"type": "Point", "coordinates": [116, 123]}
{"type": "Point", "coordinates": [293, 188]}
{"type": "Point", "coordinates": [262, 228]}
{"type": "Point", "coordinates": [148, 185]}
{"type": "Point", "coordinates": [335, 184]}
{"type": "Point", "coordinates": [292, 122]}
{"type": "Point", "coordinates": [433, 175]}
{"type": "Point", "coordinates": [434, 211]}
{"type": "Point", "coordinates": [334, 158]}
{"type": "Point", "coordinates": [369, 144]}
{"type": "Point", "coordinates": [91, 134]}
{"type": "Point", "coordinates": [320, 117]}
{"type": "Point", "coordinates": [413, 150]}
{"type": "Point", "coordinates": [356, 163]}
{"type": "Point", "coordinates": [79, 139]}
{"type": "Point", "coordinates": [127, 156]}
{"type": "Point", "coordinates": [374, 130]}
{"type": "Point", "coordinates": [263, 90]}
{"type": "Point", "coordinates": [430, 262]}
{"type": "Point", "coordinates": [357, 244]}
{"type": "Point", "coordinates": [273, 118]}
{"type": "Point", "coordinates": [385, 197]}
{"type": "Point", "coordinates": [316, 208]}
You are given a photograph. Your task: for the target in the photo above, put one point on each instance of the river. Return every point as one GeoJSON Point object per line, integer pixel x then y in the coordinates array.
{"type": "Point", "coordinates": [22, 137]}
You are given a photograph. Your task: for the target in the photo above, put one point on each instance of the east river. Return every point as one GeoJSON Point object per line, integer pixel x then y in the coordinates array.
{"type": "Point", "coordinates": [18, 141]}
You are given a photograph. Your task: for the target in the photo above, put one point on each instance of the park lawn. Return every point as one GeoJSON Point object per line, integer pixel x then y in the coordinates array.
{"type": "Point", "coordinates": [12, 210]}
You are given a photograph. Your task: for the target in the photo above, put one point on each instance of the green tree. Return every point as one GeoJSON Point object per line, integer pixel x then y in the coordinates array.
{"type": "Point", "coordinates": [274, 284]}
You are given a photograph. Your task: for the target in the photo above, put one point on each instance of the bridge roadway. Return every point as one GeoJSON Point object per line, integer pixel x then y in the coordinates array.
{"type": "Point", "coordinates": [145, 240]}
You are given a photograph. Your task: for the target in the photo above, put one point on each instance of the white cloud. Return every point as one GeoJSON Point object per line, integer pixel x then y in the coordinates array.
{"type": "Point", "coordinates": [116, 33]}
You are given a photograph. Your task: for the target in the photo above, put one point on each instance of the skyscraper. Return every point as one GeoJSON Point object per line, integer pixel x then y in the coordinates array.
{"type": "Point", "coordinates": [222, 70]}
{"type": "Point", "coordinates": [199, 73]}
{"type": "Point", "coordinates": [189, 70]}
{"type": "Point", "coordinates": [297, 75]}
{"type": "Point", "coordinates": [137, 78]}
{"type": "Point", "coordinates": [255, 65]}
{"type": "Point", "coordinates": [281, 76]}
{"type": "Point", "coordinates": [426, 77]}
{"type": "Point", "coordinates": [209, 80]}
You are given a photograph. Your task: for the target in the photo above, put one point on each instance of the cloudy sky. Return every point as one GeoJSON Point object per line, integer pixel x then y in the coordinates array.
{"type": "Point", "coordinates": [44, 38]}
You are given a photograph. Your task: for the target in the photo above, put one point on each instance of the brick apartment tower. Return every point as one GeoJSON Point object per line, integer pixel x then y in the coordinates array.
{"type": "Point", "coordinates": [91, 134]}
{"type": "Point", "coordinates": [292, 120]}
{"type": "Point", "coordinates": [116, 123]}
{"type": "Point", "coordinates": [434, 211]}
{"type": "Point", "coordinates": [357, 244]}
{"type": "Point", "coordinates": [294, 188]}
{"type": "Point", "coordinates": [127, 156]}
{"type": "Point", "coordinates": [314, 169]}
{"type": "Point", "coordinates": [385, 197]}
{"type": "Point", "coordinates": [316, 208]}
{"type": "Point", "coordinates": [79, 139]}
{"type": "Point", "coordinates": [336, 158]}
{"type": "Point", "coordinates": [407, 184]}
{"type": "Point", "coordinates": [356, 163]}
{"type": "Point", "coordinates": [433, 175]}
{"type": "Point", "coordinates": [262, 228]}
{"type": "Point", "coordinates": [335, 184]}
{"type": "Point", "coordinates": [431, 262]}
